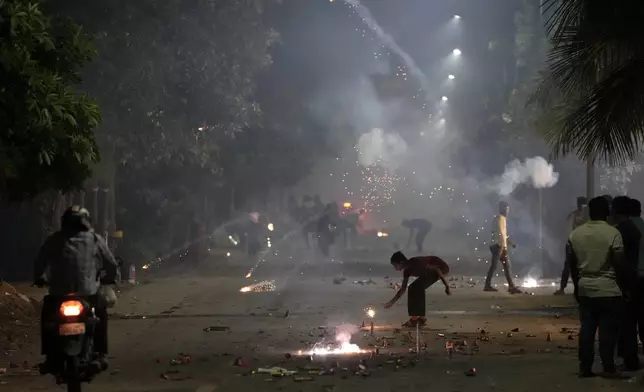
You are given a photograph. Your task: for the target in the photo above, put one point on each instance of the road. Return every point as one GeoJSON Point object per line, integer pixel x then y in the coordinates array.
{"type": "Point", "coordinates": [165, 316]}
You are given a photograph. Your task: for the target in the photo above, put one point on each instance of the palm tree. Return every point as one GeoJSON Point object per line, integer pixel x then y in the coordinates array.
{"type": "Point", "coordinates": [592, 91]}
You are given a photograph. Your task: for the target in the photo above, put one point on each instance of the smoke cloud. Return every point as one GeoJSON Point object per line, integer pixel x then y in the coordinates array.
{"type": "Point", "coordinates": [344, 332]}
{"type": "Point", "coordinates": [377, 146]}
{"type": "Point", "coordinates": [536, 171]}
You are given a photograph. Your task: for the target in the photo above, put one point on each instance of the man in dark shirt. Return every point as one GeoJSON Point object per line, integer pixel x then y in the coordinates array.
{"type": "Point", "coordinates": [635, 212]}
{"type": "Point", "coordinates": [631, 236]}
{"type": "Point", "coordinates": [422, 228]}
{"type": "Point", "coordinates": [428, 270]}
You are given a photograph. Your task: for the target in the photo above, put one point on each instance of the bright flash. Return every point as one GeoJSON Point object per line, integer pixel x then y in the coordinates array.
{"type": "Point", "coordinates": [345, 348]}
{"type": "Point", "coordinates": [451, 77]}
{"type": "Point", "coordinates": [383, 234]}
{"type": "Point", "coordinates": [245, 289]}
{"type": "Point", "coordinates": [234, 241]}
{"type": "Point", "coordinates": [370, 312]}
{"type": "Point", "coordinates": [456, 52]}
{"type": "Point", "coordinates": [248, 275]}
{"type": "Point", "coordinates": [146, 266]}
{"type": "Point", "coordinates": [270, 227]}
{"type": "Point", "coordinates": [347, 205]}
{"type": "Point", "coordinates": [228, 254]}
{"type": "Point", "coordinates": [530, 283]}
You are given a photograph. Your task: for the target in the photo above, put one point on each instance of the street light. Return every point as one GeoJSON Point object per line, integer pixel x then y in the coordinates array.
{"type": "Point", "coordinates": [451, 77]}
{"type": "Point", "coordinates": [444, 98]}
{"type": "Point", "coordinates": [456, 52]}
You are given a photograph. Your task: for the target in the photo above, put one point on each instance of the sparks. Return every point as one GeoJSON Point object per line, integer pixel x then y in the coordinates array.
{"type": "Point", "coordinates": [370, 312]}
{"type": "Point", "coordinates": [530, 283]}
{"type": "Point", "coordinates": [261, 287]}
{"type": "Point", "coordinates": [344, 348]}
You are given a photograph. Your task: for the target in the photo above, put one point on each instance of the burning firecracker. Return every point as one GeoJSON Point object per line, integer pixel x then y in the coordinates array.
{"type": "Point", "coordinates": [263, 286]}
{"type": "Point", "coordinates": [370, 312]}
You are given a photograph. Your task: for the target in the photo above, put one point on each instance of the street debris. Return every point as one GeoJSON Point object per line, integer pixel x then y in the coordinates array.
{"type": "Point", "coordinates": [217, 328]}
{"type": "Point", "coordinates": [181, 359]}
{"type": "Point", "coordinates": [239, 362]}
{"type": "Point", "coordinates": [276, 371]}
{"type": "Point", "coordinates": [364, 282]}
{"type": "Point", "coordinates": [471, 372]}
{"type": "Point", "coordinates": [549, 337]}
{"type": "Point", "coordinates": [339, 280]}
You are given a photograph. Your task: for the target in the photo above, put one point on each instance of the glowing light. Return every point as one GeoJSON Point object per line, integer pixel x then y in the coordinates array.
{"type": "Point", "coordinates": [228, 254]}
{"type": "Point", "coordinates": [530, 283]}
{"type": "Point", "coordinates": [444, 98]}
{"type": "Point", "coordinates": [370, 312]}
{"type": "Point", "coordinates": [456, 52]}
{"type": "Point", "coordinates": [344, 348]}
{"type": "Point", "coordinates": [441, 121]}
{"type": "Point", "coordinates": [457, 17]}
{"type": "Point", "coordinates": [71, 308]}
{"type": "Point", "coordinates": [261, 287]}
{"type": "Point", "coordinates": [382, 234]}
{"type": "Point", "coordinates": [270, 227]}
{"type": "Point", "coordinates": [249, 274]}
{"type": "Point", "coordinates": [451, 77]}
{"type": "Point", "coordinates": [347, 205]}
{"type": "Point", "coordinates": [234, 241]}
{"type": "Point", "coordinates": [146, 266]}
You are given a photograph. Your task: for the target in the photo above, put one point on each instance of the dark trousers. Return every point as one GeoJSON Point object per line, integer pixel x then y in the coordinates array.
{"type": "Point", "coordinates": [627, 344]}
{"type": "Point", "coordinates": [604, 314]}
{"type": "Point", "coordinates": [49, 313]}
{"type": "Point", "coordinates": [416, 294]}
{"type": "Point", "coordinates": [496, 255]}
{"type": "Point", "coordinates": [565, 276]}
{"type": "Point", "coordinates": [640, 310]}
{"type": "Point", "coordinates": [420, 239]}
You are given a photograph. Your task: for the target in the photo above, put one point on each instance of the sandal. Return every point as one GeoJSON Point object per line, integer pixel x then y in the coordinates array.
{"type": "Point", "coordinates": [411, 323]}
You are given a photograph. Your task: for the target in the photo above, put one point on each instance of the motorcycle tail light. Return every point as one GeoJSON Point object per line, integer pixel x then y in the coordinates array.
{"type": "Point", "coordinates": [71, 308]}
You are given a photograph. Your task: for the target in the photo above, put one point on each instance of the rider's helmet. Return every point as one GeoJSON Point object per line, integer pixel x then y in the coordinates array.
{"type": "Point", "coordinates": [75, 218]}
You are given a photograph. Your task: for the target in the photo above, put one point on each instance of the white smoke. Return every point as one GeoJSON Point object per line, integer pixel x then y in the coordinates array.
{"type": "Point", "coordinates": [344, 332]}
{"type": "Point", "coordinates": [533, 170]}
{"type": "Point", "coordinates": [378, 146]}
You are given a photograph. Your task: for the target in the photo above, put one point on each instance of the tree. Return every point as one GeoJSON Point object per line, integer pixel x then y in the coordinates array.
{"type": "Point", "coordinates": [592, 92]}
{"type": "Point", "coordinates": [46, 127]}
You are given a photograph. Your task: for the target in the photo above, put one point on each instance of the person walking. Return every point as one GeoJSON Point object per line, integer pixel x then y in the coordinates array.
{"type": "Point", "coordinates": [499, 250]}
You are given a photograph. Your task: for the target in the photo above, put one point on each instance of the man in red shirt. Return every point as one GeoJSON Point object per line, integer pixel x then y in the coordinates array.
{"type": "Point", "coordinates": [428, 270]}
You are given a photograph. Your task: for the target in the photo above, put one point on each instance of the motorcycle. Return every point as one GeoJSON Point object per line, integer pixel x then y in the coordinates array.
{"type": "Point", "coordinates": [68, 327]}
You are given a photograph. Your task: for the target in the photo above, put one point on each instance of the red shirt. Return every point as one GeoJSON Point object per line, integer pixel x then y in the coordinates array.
{"type": "Point", "coordinates": [418, 266]}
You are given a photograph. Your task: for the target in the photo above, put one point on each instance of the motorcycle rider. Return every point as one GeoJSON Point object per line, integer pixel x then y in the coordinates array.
{"type": "Point", "coordinates": [73, 260]}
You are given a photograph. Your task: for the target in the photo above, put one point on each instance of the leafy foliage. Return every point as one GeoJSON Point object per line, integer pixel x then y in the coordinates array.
{"type": "Point", "coordinates": [592, 93]}
{"type": "Point", "coordinates": [46, 127]}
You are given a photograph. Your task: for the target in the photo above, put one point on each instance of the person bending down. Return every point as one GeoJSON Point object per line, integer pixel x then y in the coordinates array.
{"type": "Point", "coordinates": [428, 270]}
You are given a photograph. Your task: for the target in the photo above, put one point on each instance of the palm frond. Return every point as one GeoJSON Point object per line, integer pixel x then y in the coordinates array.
{"type": "Point", "coordinates": [608, 122]}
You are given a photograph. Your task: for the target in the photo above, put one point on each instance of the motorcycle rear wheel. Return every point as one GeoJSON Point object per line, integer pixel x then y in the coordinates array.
{"type": "Point", "coordinates": [73, 375]}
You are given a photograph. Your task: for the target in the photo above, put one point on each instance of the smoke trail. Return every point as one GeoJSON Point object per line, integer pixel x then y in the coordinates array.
{"type": "Point", "coordinates": [535, 170]}
{"type": "Point", "coordinates": [343, 333]}
{"type": "Point", "coordinates": [389, 41]}
{"type": "Point", "coordinates": [387, 149]}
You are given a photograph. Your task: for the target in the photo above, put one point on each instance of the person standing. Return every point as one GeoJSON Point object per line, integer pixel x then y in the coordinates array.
{"type": "Point", "coordinates": [631, 237]}
{"type": "Point", "coordinates": [635, 212]}
{"type": "Point", "coordinates": [421, 226]}
{"type": "Point", "coordinates": [499, 250]}
{"type": "Point", "coordinates": [595, 254]}
{"type": "Point", "coordinates": [575, 219]}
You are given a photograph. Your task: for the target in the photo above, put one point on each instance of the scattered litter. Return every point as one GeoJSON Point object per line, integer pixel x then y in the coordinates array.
{"type": "Point", "coordinates": [567, 347]}
{"type": "Point", "coordinates": [181, 359]}
{"type": "Point", "coordinates": [530, 336]}
{"type": "Point", "coordinates": [471, 372]}
{"type": "Point", "coordinates": [544, 351]}
{"type": "Point", "coordinates": [364, 282]}
{"type": "Point", "coordinates": [509, 334]}
{"type": "Point", "coordinates": [288, 355]}
{"type": "Point", "coordinates": [549, 337]}
{"type": "Point", "coordinates": [3, 370]}
{"type": "Point", "coordinates": [276, 371]}
{"type": "Point", "coordinates": [287, 313]}
{"type": "Point", "coordinates": [515, 330]}
{"type": "Point", "coordinates": [570, 337]}
{"type": "Point", "coordinates": [339, 280]}
{"type": "Point", "coordinates": [302, 379]}
{"type": "Point", "coordinates": [217, 328]}
{"type": "Point", "coordinates": [240, 362]}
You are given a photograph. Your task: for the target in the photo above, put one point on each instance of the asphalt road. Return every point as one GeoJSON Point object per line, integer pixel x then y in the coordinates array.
{"type": "Point", "coordinates": [166, 317]}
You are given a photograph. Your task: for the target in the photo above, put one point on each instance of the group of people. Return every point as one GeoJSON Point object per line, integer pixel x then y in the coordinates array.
{"type": "Point", "coordinates": [605, 258]}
